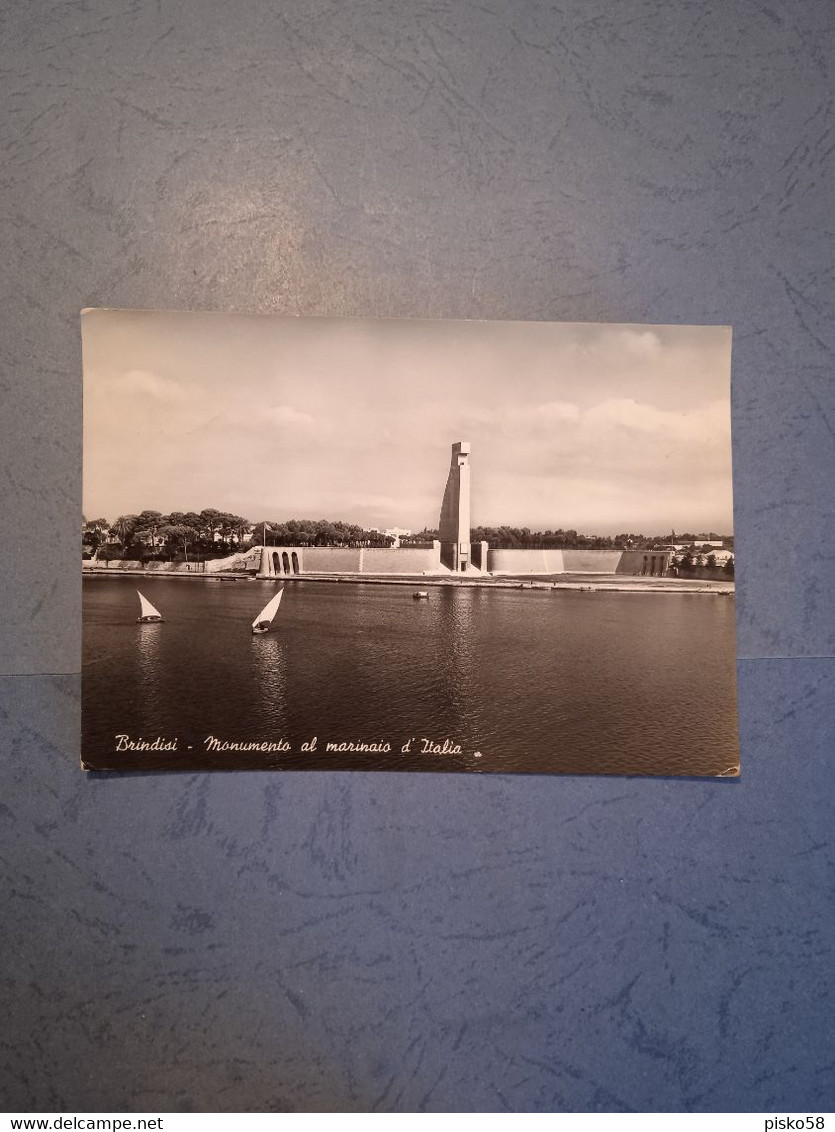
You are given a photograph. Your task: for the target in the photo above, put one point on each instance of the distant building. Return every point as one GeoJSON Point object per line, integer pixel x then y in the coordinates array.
{"type": "Point", "coordinates": [720, 558]}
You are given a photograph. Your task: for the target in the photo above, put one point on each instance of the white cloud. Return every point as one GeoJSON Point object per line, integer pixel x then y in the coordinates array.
{"type": "Point", "coordinates": [393, 504]}
{"type": "Point", "coordinates": [553, 411]}
{"type": "Point", "coordinates": [144, 383]}
{"type": "Point", "coordinates": [596, 421]}
{"type": "Point", "coordinates": [644, 343]}
{"type": "Point", "coordinates": [558, 465]}
{"type": "Point", "coordinates": [709, 424]}
{"type": "Point", "coordinates": [287, 415]}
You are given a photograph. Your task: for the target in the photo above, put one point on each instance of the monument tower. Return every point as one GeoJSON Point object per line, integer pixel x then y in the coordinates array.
{"type": "Point", "coordinates": [454, 524]}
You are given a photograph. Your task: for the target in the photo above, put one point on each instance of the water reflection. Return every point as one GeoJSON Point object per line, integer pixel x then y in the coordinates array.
{"type": "Point", "coordinates": [617, 683]}
{"type": "Point", "coordinates": [149, 666]}
{"type": "Point", "coordinates": [456, 653]}
{"type": "Point", "coordinates": [270, 657]}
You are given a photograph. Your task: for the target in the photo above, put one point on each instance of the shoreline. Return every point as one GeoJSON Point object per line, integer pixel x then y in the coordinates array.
{"type": "Point", "coordinates": [587, 583]}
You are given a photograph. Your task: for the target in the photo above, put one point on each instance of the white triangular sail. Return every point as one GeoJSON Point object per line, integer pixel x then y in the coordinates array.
{"type": "Point", "coordinates": [147, 609]}
{"type": "Point", "coordinates": [269, 611]}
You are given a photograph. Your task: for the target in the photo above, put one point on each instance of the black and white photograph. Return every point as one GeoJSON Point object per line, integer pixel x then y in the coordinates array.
{"type": "Point", "coordinates": [407, 545]}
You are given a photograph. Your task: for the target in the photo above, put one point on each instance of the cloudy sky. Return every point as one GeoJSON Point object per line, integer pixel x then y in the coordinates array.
{"type": "Point", "coordinates": [603, 428]}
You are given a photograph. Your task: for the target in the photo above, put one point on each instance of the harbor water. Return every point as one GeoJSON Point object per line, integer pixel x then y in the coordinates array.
{"type": "Point", "coordinates": [472, 679]}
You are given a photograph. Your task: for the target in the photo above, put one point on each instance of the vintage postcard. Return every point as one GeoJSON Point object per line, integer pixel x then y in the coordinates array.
{"type": "Point", "coordinates": [356, 544]}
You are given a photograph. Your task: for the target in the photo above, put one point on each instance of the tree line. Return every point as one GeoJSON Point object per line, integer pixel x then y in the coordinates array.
{"type": "Point", "coordinates": [317, 532]}
{"type": "Point", "coordinates": [151, 534]}
{"type": "Point", "coordinates": [211, 534]}
{"type": "Point", "coordinates": [522, 538]}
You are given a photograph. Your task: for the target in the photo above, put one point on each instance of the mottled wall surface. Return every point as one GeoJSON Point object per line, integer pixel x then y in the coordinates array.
{"type": "Point", "coordinates": [592, 561]}
{"type": "Point", "coordinates": [328, 558]}
{"type": "Point", "coordinates": [525, 562]}
{"type": "Point", "coordinates": [367, 560]}
{"type": "Point", "coordinates": [521, 561]}
{"type": "Point", "coordinates": [400, 560]}
{"type": "Point", "coordinates": [276, 942]}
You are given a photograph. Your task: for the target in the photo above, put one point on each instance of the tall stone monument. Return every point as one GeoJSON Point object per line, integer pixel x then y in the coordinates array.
{"type": "Point", "coordinates": [454, 525]}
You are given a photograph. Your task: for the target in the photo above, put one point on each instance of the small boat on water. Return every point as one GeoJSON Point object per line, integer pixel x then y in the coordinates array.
{"type": "Point", "coordinates": [419, 594]}
{"type": "Point", "coordinates": [262, 622]}
{"type": "Point", "coordinates": [149, 614]}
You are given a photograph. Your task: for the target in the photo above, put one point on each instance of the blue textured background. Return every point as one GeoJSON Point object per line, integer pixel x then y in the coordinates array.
{"type": "Point", "coordinates": [423, 942]}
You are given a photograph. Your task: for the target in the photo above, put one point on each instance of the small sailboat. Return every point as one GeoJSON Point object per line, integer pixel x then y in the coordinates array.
{"type": "Point", "coordinates": [262, 622]}
{"type": "Point", "coordinates": [149, 615]}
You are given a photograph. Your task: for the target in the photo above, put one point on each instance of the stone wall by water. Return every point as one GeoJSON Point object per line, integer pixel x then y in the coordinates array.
{"type": "Point", "coordinates": [567, 561]}
{"type": "Point", "coordinates": [404, 560]}
{"type": "Point", "coordinates": [591, 561]}
{"type": "Point", "coordinates": [241, 560]}
{"type": "Point", "coordinates": [330, 559]}
{"type": "Point", "coordinates": [133, 565]}
{"type": "Point", "coordinates": [525, 562]}
{"type": "Point", "coordinates": [284, 561]}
